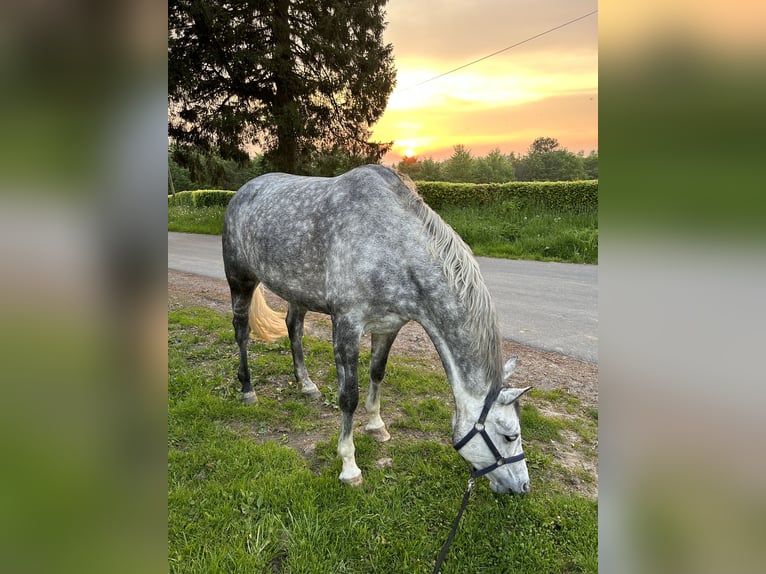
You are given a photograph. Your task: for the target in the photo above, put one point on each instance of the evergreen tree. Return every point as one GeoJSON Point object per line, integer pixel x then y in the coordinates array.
{"type": "Point", "coordinates": [300, 78]}
{"type": "Point", "coordinates": [460, 167]}
{"type": "Point", "coordinates": [494, 168]}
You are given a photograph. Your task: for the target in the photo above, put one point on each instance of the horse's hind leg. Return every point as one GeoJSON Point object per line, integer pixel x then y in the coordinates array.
{"type": "Point", "coordinates": [241, 295]}
{"type": "Point", "coordinates": [381, 345]}
{"type": "Point", "coordinates": [294, 320]}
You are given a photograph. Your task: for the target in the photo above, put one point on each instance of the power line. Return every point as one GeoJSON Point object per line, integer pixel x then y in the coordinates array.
{"type": "Point", "coordinates": [498, 52]}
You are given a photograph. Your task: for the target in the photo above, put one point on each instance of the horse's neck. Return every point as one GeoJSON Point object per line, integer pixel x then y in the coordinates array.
{"type": "Point", "coordinates": [466, 370]}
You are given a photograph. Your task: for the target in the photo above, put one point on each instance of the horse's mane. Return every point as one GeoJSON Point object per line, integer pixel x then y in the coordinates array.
{"type": "Point", "coordinates": [463, 276]}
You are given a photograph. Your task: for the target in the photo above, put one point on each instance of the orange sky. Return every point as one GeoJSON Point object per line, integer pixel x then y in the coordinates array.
{"type": "Point", "coordinates": [547, 87]}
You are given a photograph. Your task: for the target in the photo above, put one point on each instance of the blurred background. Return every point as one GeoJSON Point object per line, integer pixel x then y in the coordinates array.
{"type": "Point", "coordinates": [83, 176]}
{"type": "Point", "coordinates": [682, 280]}
{"type": "Point", "coordinates": [83, 170]}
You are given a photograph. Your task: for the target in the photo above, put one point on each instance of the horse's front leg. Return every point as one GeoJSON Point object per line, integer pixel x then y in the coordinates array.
{"type": "Point", "coordinates": [294, 320]}
{"type": "Point", "coordinates": [381, 345]}
{"type": "Point", "coordinates": [346, 337]}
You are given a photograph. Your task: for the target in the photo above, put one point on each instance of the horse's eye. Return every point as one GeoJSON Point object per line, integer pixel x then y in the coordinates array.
{"type": "Point", "coordinates": [510, 438]}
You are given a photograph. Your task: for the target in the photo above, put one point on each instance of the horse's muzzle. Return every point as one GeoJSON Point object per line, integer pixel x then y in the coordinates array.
{"type": "Point", "coordinates": [522, 489]}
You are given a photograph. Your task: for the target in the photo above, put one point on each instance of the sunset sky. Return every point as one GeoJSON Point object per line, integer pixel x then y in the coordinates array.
{"type": "Point", "coordinates": [546, 87]}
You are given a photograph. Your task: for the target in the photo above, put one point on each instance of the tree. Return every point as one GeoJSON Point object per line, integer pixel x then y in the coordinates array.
{"type": "Point", "coordinates": [562, 165]}
{"type": "Point", "coordinates": [460, 166]}
{"type": "Point", "coordinates": [546, 162]}
{"type": "Point", "coordinates": [420, 169]}
{"type": "Point", "coordinates": [590, 164]}
{"type": "Point", "coordinates": [299, 78]}
{"type": "Point", "coordinates": [494, 168]}
{"type": "Point", "coordinates": [430, 170]}
{"type": "Point", "coordinates": [543, 145]}
{"type": "Point", "coordinates": [193, 170]}
{"type": "Point", "coordinates": [179, 176]}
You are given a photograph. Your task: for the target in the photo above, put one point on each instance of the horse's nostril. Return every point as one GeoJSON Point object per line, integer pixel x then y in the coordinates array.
{"type": "Point", "coordinates": [525, 487]}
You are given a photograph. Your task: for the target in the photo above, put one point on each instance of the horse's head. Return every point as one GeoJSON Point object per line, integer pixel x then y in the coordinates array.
{"type": "Point", "coordinates": [493, 445]}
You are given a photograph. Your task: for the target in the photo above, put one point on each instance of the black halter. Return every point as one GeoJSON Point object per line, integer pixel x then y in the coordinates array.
{"type": "Point", "coordinates": [478, 428]}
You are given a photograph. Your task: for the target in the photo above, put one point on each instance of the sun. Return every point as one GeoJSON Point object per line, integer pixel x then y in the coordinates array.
{"type": "Point", "coordinates": [408, 150]}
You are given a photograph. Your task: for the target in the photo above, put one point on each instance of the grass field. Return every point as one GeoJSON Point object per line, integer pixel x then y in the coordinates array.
{"type": "Point", "coordinates": [508, 231]}
{"type": "Point", "coordinates": [503, 230]}
{"type": "Point", "coordinates": [208, 220]}
{"type": "Point", "coordinates": [255, 488]}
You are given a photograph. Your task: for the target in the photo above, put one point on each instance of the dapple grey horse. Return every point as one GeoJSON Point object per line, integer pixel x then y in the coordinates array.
{"type": "Point", "coordinates": [365, 249]}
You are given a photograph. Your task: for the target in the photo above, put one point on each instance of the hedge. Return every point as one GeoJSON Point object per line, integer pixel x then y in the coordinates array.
{"type": "Point", "coordinates": [202, 197]}
{"type": "Point", "coordinates": [558, 195]}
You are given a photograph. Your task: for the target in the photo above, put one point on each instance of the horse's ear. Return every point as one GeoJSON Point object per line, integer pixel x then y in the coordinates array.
{"type": "Point", "coordinates": [510, 394]}
{"type": "Point", "coordinates": [510, 364]}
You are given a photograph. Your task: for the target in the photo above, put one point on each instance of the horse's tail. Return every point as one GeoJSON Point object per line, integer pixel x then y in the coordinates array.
{"type": "Point", "coordinates": [265, 323]}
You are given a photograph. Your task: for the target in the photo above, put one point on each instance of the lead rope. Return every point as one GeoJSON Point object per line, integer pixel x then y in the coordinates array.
{"type": "Point", "coordinates": [451, 537]}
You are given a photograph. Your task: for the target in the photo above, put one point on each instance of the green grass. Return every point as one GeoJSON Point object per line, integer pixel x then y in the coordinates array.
{"type": "Point", "coordinates": [207, 220]}
{"type": "Point", "coordinates": [534, 233]}
{"type": "Point", "coordinates": [504, 230]}
{"type": "Point", "coordinates": [243, 498]}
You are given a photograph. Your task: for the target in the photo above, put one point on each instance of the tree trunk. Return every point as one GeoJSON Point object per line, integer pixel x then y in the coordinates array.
{"type": "Point", "coordinates": [285, 156]}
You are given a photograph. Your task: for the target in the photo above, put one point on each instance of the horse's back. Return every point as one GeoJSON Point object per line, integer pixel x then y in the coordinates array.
{"type": "Point", "coordinates": [326, 242]}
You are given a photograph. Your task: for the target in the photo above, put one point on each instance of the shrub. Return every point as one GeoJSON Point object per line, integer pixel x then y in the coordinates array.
{"type": "Point", "coordinates": [439, 193]}
{"type": "Point", "coordinates": [557, 195]}
{"type": "Point", "coordinates": [580, 196]}
{"type": "Point", "coordinates": [202, 198]}
{"type": "Point", "coordinates": [181, 198]}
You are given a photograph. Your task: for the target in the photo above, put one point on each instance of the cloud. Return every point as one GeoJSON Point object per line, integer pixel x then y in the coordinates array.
{"type": "Point", "coordinates": [570, 118]}
{"type": "Point", "coordinates": [458, 31]}
{"type": "Point", "coordinates": [547, 87]}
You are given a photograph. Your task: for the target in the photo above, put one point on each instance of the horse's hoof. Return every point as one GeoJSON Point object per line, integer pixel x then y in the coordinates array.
{"type": "Point", "coordinates": [380, 434]}
{"type": "Point", "coordinates": [314, 393]}
{"type": "Point", "coordinates": [354, 480]}
{"type": "Point", "coordinates": [249, 398]}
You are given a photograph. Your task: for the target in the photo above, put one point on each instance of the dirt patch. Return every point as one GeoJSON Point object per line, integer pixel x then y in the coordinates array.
{"type": "Point", "coordinates": [304, 443]}
{"type": "Point", "coordinates": [543, 370]}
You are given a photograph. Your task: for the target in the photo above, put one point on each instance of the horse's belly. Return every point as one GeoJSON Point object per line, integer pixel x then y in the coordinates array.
{"type": "Point", "coordinates": [293, 268]}
{"type": "Point", "coordinates": [386, 324]}
{"type": "Point", "coordinates": [302, 290]}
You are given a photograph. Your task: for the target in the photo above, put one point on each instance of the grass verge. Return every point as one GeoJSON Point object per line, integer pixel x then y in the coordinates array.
{"type": "Point", "coordinates": [188, 219]}
{"type": "Point", "coordinates": [255, 489]}
{"type": "Point", "coordinates": [503, 230]}
{"type": "Point", "coordinates": [535, 233]}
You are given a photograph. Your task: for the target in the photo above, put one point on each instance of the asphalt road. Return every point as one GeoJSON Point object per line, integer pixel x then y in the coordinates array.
{"type": "Point", "coordinates": [551, 306]}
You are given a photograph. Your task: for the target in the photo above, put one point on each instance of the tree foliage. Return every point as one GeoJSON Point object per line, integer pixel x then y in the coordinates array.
{"type": "Point", "coordinates": [543, 145]}
{"type": "Point", "coordinates": [192, 170]}
{"type": "Point", "coordinates": [545, 161]}
{"type": "Point", "coordinates": [303, 80]}
{"type": "Point", "coordinates": [590, 164]}
{"type": "Point", "coordinates": [425, 169]}
{"type": "Point", "coordinates": [556, 165]}
{"type": "Point", "coordinates": [460, 167]}
{"type": "Point", "coordinates": [495, 168]}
